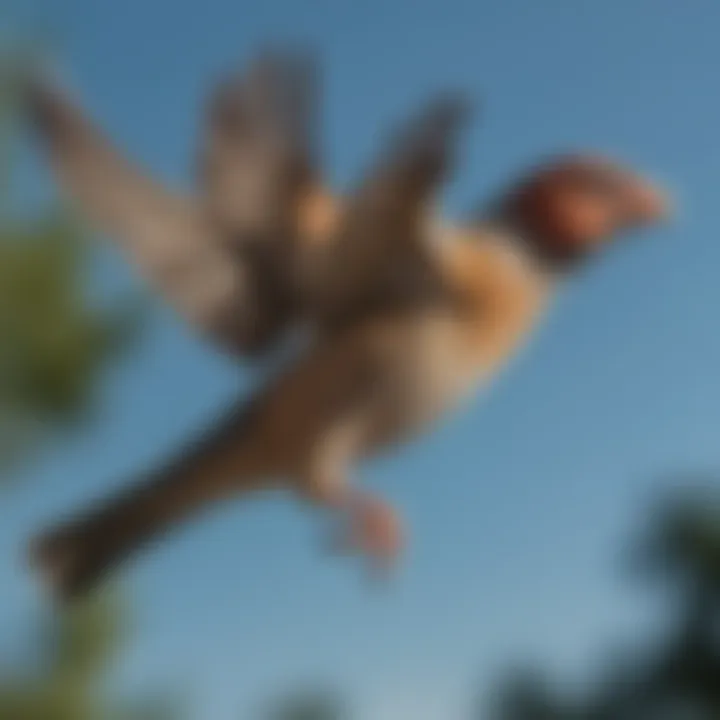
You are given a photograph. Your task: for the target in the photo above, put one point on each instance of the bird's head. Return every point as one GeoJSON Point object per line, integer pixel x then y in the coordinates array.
{"type": "Point", "coordinates": [573, 206]}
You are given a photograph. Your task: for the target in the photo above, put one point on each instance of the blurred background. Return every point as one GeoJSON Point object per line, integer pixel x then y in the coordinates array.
{"type": "Point", "coordinates": [565, 547]}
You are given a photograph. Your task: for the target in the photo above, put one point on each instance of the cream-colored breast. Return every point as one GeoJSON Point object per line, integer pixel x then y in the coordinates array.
{"type": "Point", "coordinates": [504, 292]}
{"type": "Point", "coordinates": [440, 356]}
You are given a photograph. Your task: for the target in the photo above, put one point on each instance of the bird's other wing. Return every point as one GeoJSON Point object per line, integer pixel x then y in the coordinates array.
{"type": "Point", "coordinates": [258, 149]}
{"type": "Point", "coordinates": [418, 158]}
{"type": "Point", "coordinates": [381, 247]}
{"type": "Point", "coordinates": [165, 235]}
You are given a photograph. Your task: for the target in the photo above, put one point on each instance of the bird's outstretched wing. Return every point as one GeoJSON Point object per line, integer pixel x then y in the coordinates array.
{"type": "Point", "coordinates": [381, 252]}
{"type": "Point", "coordinates": [168, 237]}
{"type": "Point", "coordinates": [258, 181]}
{"type": "Point", "coordinates": [258, 149]}
{"type": "Point", "coordinates": [419, 156]}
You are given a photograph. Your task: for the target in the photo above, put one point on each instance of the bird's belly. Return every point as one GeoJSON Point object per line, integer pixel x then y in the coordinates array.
{"type": "Point", "coordinates": [430, 378]}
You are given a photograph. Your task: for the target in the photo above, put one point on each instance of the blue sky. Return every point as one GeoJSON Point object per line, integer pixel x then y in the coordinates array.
{"type": "Point", "coordinates": [519, 505]}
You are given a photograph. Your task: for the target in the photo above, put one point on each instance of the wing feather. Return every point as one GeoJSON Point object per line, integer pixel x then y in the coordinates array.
{"type": "Point", "coordinates": [167, 236]}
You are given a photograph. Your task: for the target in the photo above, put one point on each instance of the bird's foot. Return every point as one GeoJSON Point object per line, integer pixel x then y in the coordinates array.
{"type": "Point", "coordinates": [372, 528]}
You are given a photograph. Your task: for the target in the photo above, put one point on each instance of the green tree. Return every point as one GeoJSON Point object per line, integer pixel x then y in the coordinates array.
{"type": "Point", "coordinates": [676, 677]}
{"type": "Point", "coordinates": [526, 695]}
{"type": "Point", "coordinates": [309, 705]}
{"type": "Point", "coordinates": [54, 344]}
{"type": "Point", "coordinates": [66, 681]}
{"type": "Point", "coordinates": [684, 551]}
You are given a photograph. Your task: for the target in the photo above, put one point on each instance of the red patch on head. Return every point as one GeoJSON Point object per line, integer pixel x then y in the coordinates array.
{"type": "Point", "coordinates": [576, 204]}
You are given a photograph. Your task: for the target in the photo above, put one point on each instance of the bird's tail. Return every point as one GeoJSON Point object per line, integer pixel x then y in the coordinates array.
{"type": "Point", "coordinates": [75, 556]}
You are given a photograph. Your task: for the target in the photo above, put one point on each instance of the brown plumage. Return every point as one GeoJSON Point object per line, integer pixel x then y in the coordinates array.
{"type": "Point", "coordinates": [387, 372]}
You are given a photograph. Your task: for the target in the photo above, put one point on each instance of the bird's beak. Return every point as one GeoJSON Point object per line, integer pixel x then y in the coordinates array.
{"type": "Point", "coordinates": [651, 204]}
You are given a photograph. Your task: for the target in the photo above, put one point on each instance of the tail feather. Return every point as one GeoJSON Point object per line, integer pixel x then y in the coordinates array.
{"type": "Point", "coordinates": [70, 563]}
{"type": "Point", "coordinates": [75, 556]}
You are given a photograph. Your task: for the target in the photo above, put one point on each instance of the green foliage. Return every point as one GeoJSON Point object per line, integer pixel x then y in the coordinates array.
{"type": "Point", "coordinates": [528, 696]}
{"type": "Point", "coordinates": [684, 544]}
{"type": "Point", "coordinates": [674, 678]}
{"type": "Point", "coordinates": [53, 343]}
{"type": "Point", "coordinates": [75, 651]}
{"type": "Point", "coordinates": [309, 706]}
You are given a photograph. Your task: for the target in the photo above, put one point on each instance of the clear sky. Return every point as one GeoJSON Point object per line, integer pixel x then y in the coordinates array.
{"type": "Point", "coordinates": [519, 505]}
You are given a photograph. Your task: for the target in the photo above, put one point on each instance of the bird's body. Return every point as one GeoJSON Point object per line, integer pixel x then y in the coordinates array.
{"type": "Point", "coordinates": [413, 315]}
{"type": "Point", "coordinates": [410, 366]}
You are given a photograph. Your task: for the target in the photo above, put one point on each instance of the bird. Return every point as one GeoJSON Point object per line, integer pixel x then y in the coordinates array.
{"type": "Point", "coordinates": [378, 380]}
{"type": "Point", "coordinates": [414, 312]}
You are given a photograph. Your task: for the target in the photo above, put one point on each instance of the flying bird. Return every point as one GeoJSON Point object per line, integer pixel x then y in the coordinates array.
{"type": "Point", "coordinates": [385, 371]}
